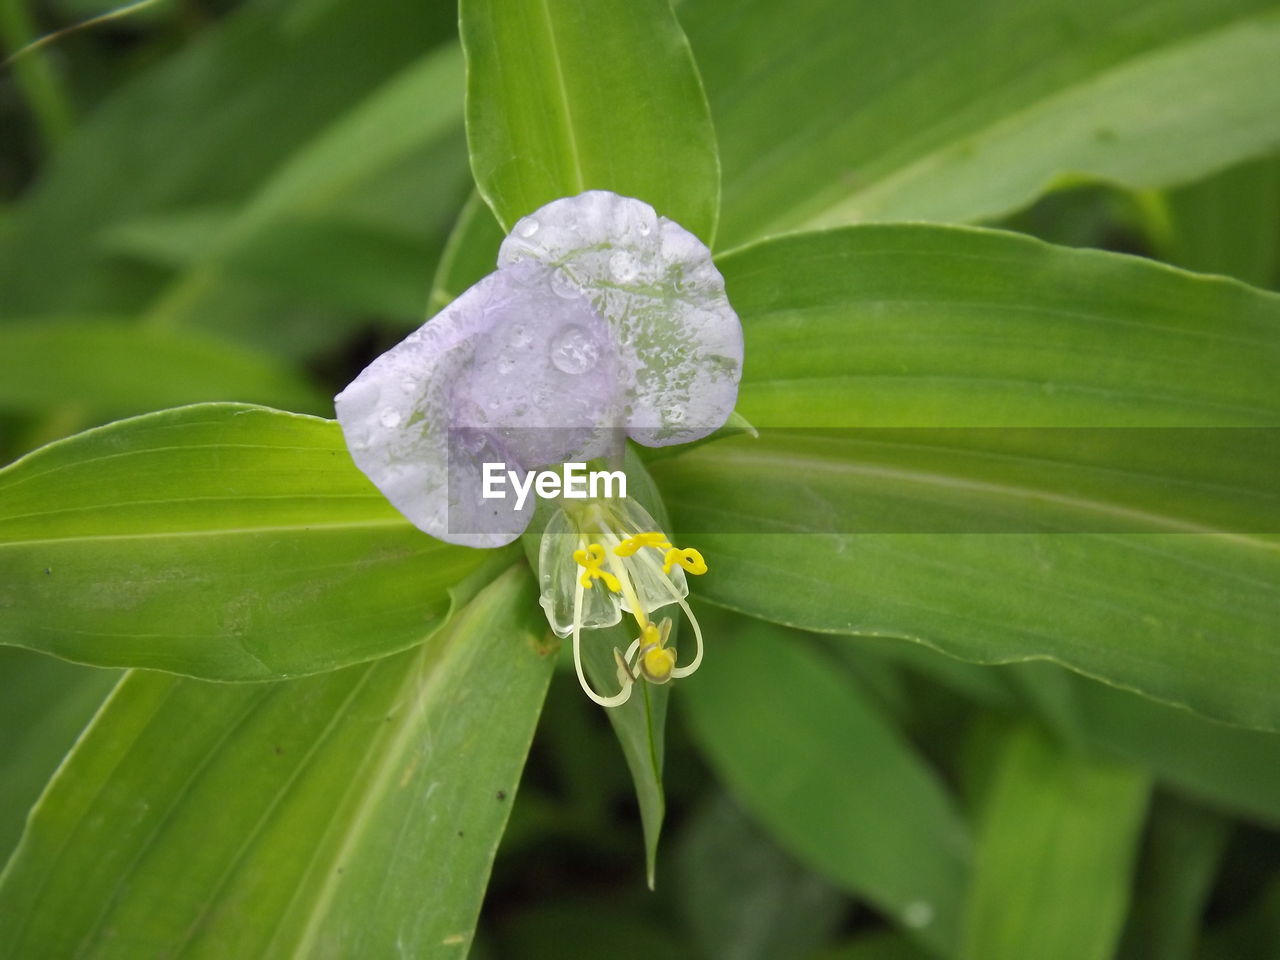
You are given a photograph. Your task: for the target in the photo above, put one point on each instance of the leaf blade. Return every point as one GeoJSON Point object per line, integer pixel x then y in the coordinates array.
{"type": "Point", "coordinates": [563, 98]}
{"type": "Point", "coordinates": [1082, 819]}
{"type": "Point", "coordinates": [291, 867]}
{"type": "Point", "coordinates": [964, 328]}
{"type": "Point", "coordinates": [963, 113]}
{"type": "Point", "coordinates": [833, 781]}
{"type": "Point", "coordinates": [218, 540]}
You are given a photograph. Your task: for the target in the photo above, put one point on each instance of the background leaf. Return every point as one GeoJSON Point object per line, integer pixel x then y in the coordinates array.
{"type": "Point", "coordinates": [962, 112]}
{"type": "Point", "coordinates": [323, 192]}
{"type": "Point", "coordinates": [564, 97]}
{"type": "Point", "coordinates": [470, 254]}
{"type": "Point", "coordinates": [1054, 859]}
{"type": "Point", "coordinates": [1227, 223]}
{"type": "Point", "coordinates": [813, 761]}
{"type": "Point", "coordinates": [190, 132]}
{"type": "Point", "coordinates": [744, 896]}
{"type": "Point", "coordinates": [1183, 851]}
{"type": "Point", "coordinates": [963, 328]}
{"type": "Point", "coordinates": [1232, 769]}
{"type": "Point", "coordinates": [220, 540]}
{"type": "Point", "coordinates": [357, 812]}
{"type": "Point", "coordinates": [120, 368]}
{"type": "Point", "coordinates": [44, 704]}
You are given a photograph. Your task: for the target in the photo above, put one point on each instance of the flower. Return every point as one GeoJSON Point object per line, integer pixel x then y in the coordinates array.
{"type": "Point", "coordinates": [603, 321]}
{"type": "Point", "coordinates": [599, 560]}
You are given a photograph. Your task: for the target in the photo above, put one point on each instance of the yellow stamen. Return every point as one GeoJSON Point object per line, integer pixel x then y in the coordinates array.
{"type": "Point", "coordinates": [590, 560]}
{"type": "Point", "coordinates": [688, 558]}
{"type": "Point", "coordinates": [657, 661]}
{"type": "Point", "coordinates": [631, 545]}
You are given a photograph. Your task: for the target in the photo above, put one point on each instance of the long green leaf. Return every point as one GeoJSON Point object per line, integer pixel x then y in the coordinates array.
{"type": "Point", "coordinates": [1054, 862]}
{"type": "Point", "coordinates": [1175, 877]}
{"type": "Point", "coordinates": [1234, 769]}
{"type": "Point", "coordinates": [564, 97]}
{"type": "Point", "coordinates": [927, 326]}
{"type": "Point", "coordinates": [120, 369]}
{"type": "Point", "coordinates": [219, 540]}
{"type": "Point", "coordinates": [189, 132]}
{"type": "Point", "coordinates": [44, 704]}
{"type": "Point", "coordinates": [352, 814]}
{"type": "Point", "coordinates": [807, 755]}
{"type": "Point", "coordinates": [744, 896]}
{"type": "Point", "coordinates": [949, 327]}
{"type": "Point", "coordinates": [470, 254]}
{"type": "Point", "coordinates": [414, 112]}
{"type": "Point", "coordinates": [830, 112]}
{"type": "Point", "coordinates": [1227, 224]}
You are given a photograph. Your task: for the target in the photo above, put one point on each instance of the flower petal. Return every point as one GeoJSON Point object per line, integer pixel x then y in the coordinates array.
{"type": "Point", "coordinates": [511, 372]}
{"type": "Point", "coordinates": [678, 341]}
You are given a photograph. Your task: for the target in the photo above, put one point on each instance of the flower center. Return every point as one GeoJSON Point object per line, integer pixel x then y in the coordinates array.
{"type": "Point", "coordinates": [641, 570]}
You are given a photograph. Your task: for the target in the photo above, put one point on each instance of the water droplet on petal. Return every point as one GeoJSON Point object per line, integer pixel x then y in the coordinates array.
{"type": "Point", "coordinates": [623, 266]}
{"type": "Point", "coordinates": [573, 350]}
{"type": "Point", "coordinates": [564, 285]}
{"type": "Point", "coordinates": [408, 384]}
{"type": "Point", "coordinates": [527, 227]}
{"type": "Point", "coordinates": [673, 414]}
{"type": "Point", "coordinates": [389, 417]}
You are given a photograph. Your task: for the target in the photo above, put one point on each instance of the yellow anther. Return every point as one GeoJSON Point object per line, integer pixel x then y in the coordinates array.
{"type": "Point", "coordinates": [657, 664]}
{"type": "Point", "coordinates": [656, 660]}
{"type": "Point", "coordinates": [590, 560]}
{"type": "Point", "coordinates": [688, 558]}
{"type": "Point", "coordinates": [632, 545]}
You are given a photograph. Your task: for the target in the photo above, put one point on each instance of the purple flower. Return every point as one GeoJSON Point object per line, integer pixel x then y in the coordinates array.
{"type": "Point", "coordinates": [602, 321]}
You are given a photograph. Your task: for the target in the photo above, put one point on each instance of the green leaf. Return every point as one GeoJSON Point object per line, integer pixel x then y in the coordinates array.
{"type": "Point", "coordinates": [745, 897]}
{"type": "Point", "coordinates": [564, 97]}
{"type": "Point", "coordinates": [221, 541]}
{"type": "Point", "coordinates": [115, 368]}
{"type": "Point", "coordinates": [189, 132]}
{"type": "Point", "coordinates": [953, 327]}
{"type": "Point", "coordinates": [1231, 768]}
{"type": "Point", "coordinates": [470, 254]}
{"type": "Point", "coordinates": [964, 112]}
{"type": "Point", "coordinates": [1175, 876]}
{"type": "Point", "coordinates": [835, 784]}
{"type": "Point", "coordinates": [44, 704]}
{"type": "Point", "coordinates": [1227, 223]}
{"type": "Point", "coordinates": [1055, 857]}
{"type": "Point", "coordinates": [356, 813]}
{"type": "Point", "coordinates": [959, 327]}
{"type": "Point", "coordinates": [415, 112]}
